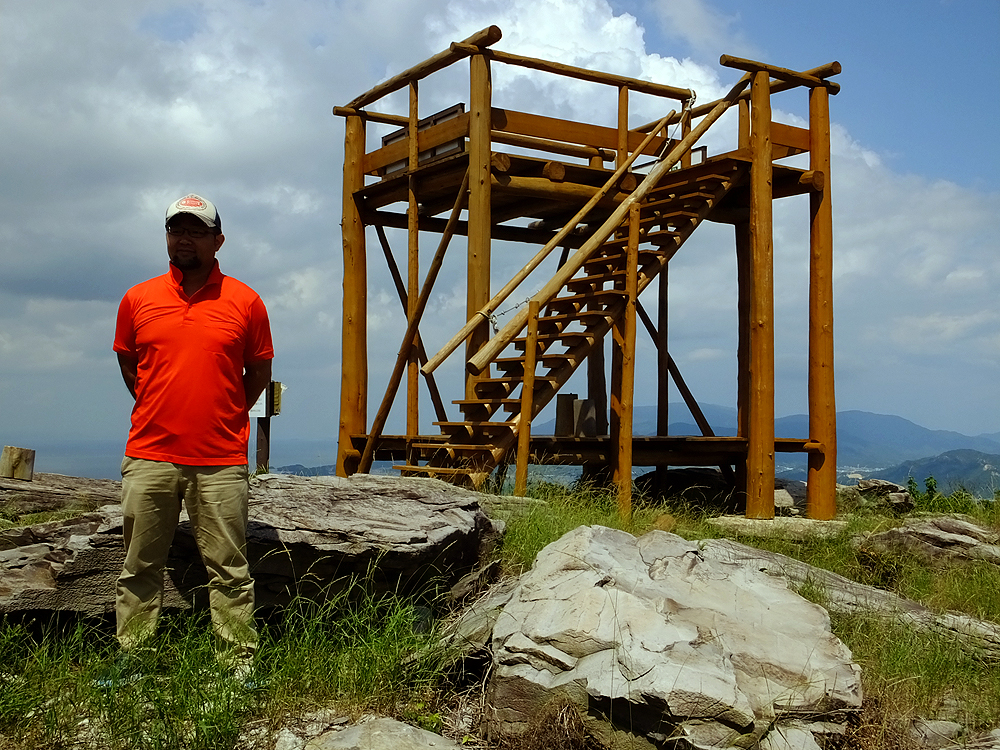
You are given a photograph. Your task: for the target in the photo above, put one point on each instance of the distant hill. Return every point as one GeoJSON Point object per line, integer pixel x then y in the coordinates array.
{"type": "Point", "coordinates": [867, 443]}
{"type": "Point", "coordinates": [975, 471]}
{"type": "Point", "coordinates": [865, 440]}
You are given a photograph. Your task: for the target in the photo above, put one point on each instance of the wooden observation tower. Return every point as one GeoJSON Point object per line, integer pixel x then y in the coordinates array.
{"type": "Point", "coordinates": [618, 203]}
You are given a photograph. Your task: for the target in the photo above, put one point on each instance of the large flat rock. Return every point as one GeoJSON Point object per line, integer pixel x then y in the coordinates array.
{"type": "Point", "coordinates": [307, 536]}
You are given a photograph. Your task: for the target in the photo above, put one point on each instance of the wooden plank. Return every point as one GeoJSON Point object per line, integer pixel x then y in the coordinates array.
{"type": "Point", "coordinates": [821, 488]}
{"type": "Point", "coordinates": [435, 135]}
{"type": "Point", "coordinates": [17, 463]}
{"type": "Point", "coordinates": [796, 140]}
{"type": "Point", "coordinates": [554, 129]}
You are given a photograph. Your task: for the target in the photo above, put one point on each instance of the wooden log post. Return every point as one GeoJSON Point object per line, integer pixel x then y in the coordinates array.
{"type": "Point", "coordinates": [662, 369]}
{"type": "Point", "coordinates": [623, 371]}
{"type": "Point", "coordinates": [821, 489]}
{"type": "Point", "coordinates": [354, 336]}
{"type": "Point", "coordinates": [17, 463]}
{"type": "Point", "coordinates": [413, 276]}
{"type": "Point", "coordinates": [760, 416]}
{"type": "Point", "coordinates": [527, 401]}
{"type": "Point", "coordinates": [480, 225]}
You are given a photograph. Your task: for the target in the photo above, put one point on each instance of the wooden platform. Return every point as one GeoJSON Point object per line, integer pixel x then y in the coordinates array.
{"type": "Point", "coordinates": [576, 451]}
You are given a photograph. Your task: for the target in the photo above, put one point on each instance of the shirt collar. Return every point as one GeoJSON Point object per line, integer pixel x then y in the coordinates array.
{"type": "Point", "coordinates": [177, 275]}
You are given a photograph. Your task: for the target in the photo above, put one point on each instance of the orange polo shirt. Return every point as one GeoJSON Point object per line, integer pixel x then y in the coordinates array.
{"type": "Point", "coordinates": [190, 406]}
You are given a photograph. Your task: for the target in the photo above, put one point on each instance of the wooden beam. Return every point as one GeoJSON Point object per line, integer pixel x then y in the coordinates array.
{"type": "Point", "coordinates": [527, 401]}
{"type": "Point", "coordinates": [555, 147]}
{"type": "Point", "coordinates": [370, 116]}
{"type": "Point", "coordinates": [354, 333]}
{"type": "Point", "coordinates": [793, 77]}
{"type": "Point", "coordinates": [472, 45]}
{"type": "Point", "coordinates": [760, 435]}
{"type": "Point", "coordinates": [821, 488]}
{"type": "Point", "coordinates": [432, 224]}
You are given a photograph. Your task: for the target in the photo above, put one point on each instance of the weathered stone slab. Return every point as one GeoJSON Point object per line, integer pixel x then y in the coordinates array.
{"type": "Point", "coordinates": [307, 535]}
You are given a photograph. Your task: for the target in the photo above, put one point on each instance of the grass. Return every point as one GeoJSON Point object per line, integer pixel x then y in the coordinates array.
{"type": "Point", "coordinates": [352, 652]}
{"type": "Point", "coordinates": [356, 654]}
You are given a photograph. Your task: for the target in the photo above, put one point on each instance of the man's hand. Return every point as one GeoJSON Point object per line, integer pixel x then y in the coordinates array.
{"type": "Point", "coordinates": [130, 371]}
{"type": "Point", "coordinates": [256, 376]}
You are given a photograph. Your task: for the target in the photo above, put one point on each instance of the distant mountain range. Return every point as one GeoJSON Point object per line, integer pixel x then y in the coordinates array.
{"type": "Point", "coordinates": [977, 472]}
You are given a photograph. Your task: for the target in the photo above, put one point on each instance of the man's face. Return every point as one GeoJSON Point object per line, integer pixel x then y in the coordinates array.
{"type": "Point", "coordinates": [190, 253]}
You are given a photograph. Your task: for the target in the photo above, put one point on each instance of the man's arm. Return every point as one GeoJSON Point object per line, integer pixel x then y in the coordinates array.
{"type": "Point", "coordinates": [256, 376]}
{"type": "Point", "coordinates": [130, 371]}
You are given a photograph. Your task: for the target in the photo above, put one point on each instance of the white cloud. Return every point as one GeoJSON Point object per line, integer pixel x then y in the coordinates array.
{"type": "Point", "coordinates": [113, 110]}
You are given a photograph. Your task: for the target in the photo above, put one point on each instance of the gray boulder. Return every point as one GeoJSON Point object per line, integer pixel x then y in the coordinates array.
{"type": "Point", "coordinates": [380, 734]}
{"type": "Point", "coordinates": [659, 646]}
{"type": "Point", "coordinates": [306, 536]}
{"type": "Point", "coordinates": [942, 537]}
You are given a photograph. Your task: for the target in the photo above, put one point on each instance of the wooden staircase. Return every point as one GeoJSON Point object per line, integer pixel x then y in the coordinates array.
{"type": "Point", "coordinates": [573, 322]}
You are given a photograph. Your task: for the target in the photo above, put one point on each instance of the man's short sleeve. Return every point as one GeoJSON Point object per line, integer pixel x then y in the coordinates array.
{"type": "Point", "coordinates": [258, 346]}
{"type": "Point", "coordinates": [125, 329]}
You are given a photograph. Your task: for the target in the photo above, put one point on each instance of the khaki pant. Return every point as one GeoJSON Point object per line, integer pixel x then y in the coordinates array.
{"type": "Point", "coordinates": [216, 501]}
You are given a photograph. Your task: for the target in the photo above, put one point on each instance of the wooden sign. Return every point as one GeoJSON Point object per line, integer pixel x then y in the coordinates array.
{"type": "Point", "coordinates": [17, 463]}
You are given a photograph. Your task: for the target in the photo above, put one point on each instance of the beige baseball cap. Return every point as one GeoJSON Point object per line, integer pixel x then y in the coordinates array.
{"type": "Point", "coordinates": [197, 206]}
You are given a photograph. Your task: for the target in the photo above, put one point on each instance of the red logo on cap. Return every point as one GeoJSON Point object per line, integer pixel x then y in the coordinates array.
{"type": "Point", "coordinates": [191, 202]}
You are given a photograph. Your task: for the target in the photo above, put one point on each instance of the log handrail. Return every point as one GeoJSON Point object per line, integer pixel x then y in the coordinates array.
{"type": "Point", "coordinates": [830, 69]}
{"type": "Point", "coordinates": [480, 361]}
{"type": "Point", "coordinates": [581, 74]}
{"type": "Point", "coordinates": [484, 313]}
{"type": "Point", "coordinates": [475, 43]}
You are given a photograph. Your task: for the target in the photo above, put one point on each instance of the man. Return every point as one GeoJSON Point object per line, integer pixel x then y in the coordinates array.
{"type": "Point", "coordinates": [195, 351]}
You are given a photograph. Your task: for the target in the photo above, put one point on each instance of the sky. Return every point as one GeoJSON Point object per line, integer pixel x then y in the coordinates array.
{"type": "Point", "coordinates": [113, 110]}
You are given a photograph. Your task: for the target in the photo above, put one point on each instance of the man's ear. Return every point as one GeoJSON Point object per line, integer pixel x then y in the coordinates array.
{"type": "Point", "coordinates": [219, 239]}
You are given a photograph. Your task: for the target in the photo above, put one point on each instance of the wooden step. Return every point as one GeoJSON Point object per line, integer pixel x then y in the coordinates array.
{"type": "Point", "coordinates": [455, 447]}
{"type": "Point", "coordinates": [472, 427]}
{"type": "Point", "coordinates": [407, 469]}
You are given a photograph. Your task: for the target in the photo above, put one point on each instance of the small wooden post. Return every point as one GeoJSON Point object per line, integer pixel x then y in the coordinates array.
{"type": "Point", "coordinates": [354, 337]}
{"type": "Point", "coordinates": [527, 401]}
{"type": "Point", "coordinates": [263, 444]}
{"type": "Point", "coordinates": [821, 489]}
{"type": "Point", "coordinates": [760, 435]}
{"type": "Point", "coordinates": [17, 463]}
